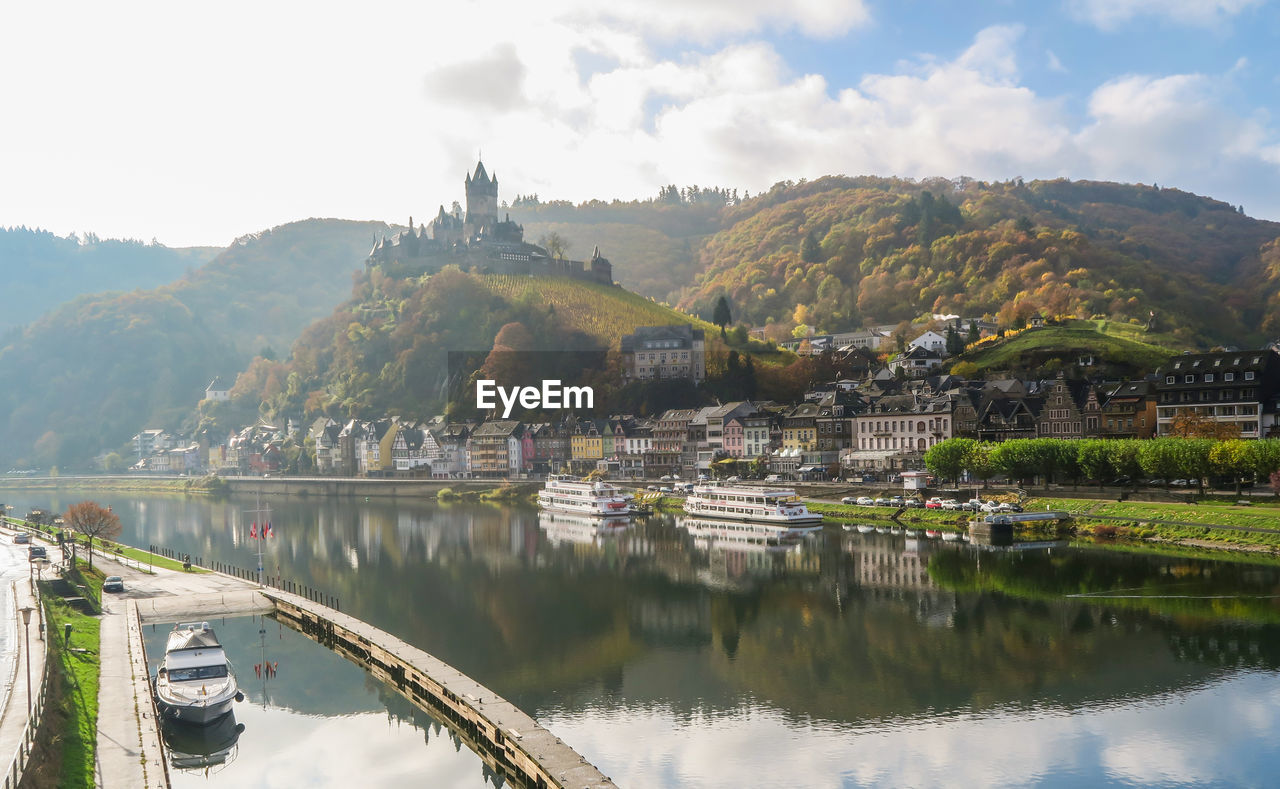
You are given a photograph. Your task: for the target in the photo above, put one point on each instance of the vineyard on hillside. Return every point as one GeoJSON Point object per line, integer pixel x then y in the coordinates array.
{"type": "Point", "coordinates": [602, 311]}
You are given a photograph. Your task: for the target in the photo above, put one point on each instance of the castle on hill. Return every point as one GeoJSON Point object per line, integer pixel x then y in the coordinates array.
{"type": "Point", "coordinates": [478, 240]}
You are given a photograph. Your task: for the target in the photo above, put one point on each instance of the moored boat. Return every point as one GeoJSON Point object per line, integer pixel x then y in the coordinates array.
{"type": "Point", "coordinates": [751, 504]}
{"type": "Point", "coordinates": [195, 683]}
{"type": "Point", "coordinates": [566, 494]}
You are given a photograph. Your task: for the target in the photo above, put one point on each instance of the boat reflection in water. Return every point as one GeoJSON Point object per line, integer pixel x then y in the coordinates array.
{"type": "Point", "coordinates": [740, 535]}
{"type": "Point", "coordinates": [580, 529]}
{"type": "Point", "coordinates": [199, 748]}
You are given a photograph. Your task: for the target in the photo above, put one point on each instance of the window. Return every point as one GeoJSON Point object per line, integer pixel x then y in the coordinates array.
{"type": "Point", "coordinates": [1228, 376]}
{"type": "Point", "coordinates": [1169, 379]}
{"type": "Point", "coordinates": [1190, 379]}
{"type": "Point", "coordinates": [1248, 375]}
{"type": "Point", "coordinates": [1208, 378]}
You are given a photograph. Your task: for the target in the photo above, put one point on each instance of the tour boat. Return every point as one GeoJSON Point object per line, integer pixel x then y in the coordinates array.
{"type": "Point", "coordinates": [741, 535]}
{"type": "Point", "coordinates": [757, 505]}
{"type": "Point", "coordinates": [195, 683]}
{"type": "Point", "coordinates": [564, 493]}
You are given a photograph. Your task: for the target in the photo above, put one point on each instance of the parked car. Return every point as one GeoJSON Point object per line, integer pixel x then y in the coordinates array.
{"type": "Point", "coordinates": [1123, 480]}
{"type": "Point", "coordinates": [915, 503]}
{"type": "Point", "coordinates": [667, 478]}
{"type": "Point", "coordinates": [21, 538]}
{"type": "Point", "coordinates": [665, 489]}
{"type": "Point", "coordinates": [866, 501]}
{"type": "Point", "coordinates": [113, 583]}
{"type": "Point", "coordinates": [898, 501]}
{"type": "Point", "coordinates": [653, 487]}
{"type": "Point", "coordinates": [884, 502]}
{"type": "Point", "coordinates": [36, 552]}
{"type": "Point", "coordinates": [1009, 506]}
{"type": "Point", "coordinates": [773, 478]}
{"type": "Point", "coordinates": [951, 504]}
{"type": "Point", "coordinates": [934, 503]}
{"type": "Point", "coordinates": [849, 500]}
{"type": "Point", "coordinates": [1180, 483]}
{"type": "Point", "coordinates": [734, 478]}
{"type": "Point", "coordinates": [991, 506]}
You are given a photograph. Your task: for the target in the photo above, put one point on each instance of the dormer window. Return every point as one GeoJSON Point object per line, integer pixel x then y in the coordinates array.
{"type": "Point", "coordinates": [1208, 378]}
{"type": "Point", "coordinates": [1228, 376]}
{"type": "Point", "coordinates": [1248, 375]}
{"type": "Point", "coordinates": [1217, 362]}
{"type": "Point", "coordinates": [1190, 379]}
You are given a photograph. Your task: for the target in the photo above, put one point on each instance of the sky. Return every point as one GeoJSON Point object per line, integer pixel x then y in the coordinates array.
{"type": "Point", "coordinates": [194, 124]}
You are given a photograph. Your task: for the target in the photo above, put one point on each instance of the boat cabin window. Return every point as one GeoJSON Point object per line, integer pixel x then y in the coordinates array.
{"type": "Point", "coordinates": [198, 672]}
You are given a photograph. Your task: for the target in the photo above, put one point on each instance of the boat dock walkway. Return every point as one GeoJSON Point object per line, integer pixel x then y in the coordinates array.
{"type": "Point", "coordinates": [511, 742]}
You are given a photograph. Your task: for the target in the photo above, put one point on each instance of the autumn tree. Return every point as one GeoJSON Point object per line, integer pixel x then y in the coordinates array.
{"type": "Point", "coordinates": [93, 521]}
{"type": "Point", "coordinates": [1189, 424]}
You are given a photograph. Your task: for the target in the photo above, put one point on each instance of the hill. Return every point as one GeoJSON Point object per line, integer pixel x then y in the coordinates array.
{"type": "Point", "coordinates": [653, 244]}
{"type": "Point", "coordinates": [42, 271]}
{"type": "Point", "coordinates": [102, 367]}
{"type": "Point", "coordinates": [390, 349]}
{"type": "Point", "coordinates": [840, 252]}
{"type": "Point", "coordinates": [1105, 348]}
{"type": "Point", "coordinates": [266, 287]}
{"type": "Point", "coordinates": [91, 374]}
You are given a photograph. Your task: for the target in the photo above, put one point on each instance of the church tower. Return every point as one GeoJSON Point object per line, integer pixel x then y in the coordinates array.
{"type": "Point", "coordinates": [482, 203]}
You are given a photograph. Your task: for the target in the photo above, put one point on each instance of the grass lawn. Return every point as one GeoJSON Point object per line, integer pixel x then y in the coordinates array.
{"type": "Point", "coordinates": [75, 695]}
{"type": "Point", "coordinates": [854, 513]}
{"type": "Point", "coordinates": [1210, 514]}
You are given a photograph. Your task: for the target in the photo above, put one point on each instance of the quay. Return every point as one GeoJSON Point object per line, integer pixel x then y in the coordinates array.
{"type": "Point", "coordinates": [131, 753]}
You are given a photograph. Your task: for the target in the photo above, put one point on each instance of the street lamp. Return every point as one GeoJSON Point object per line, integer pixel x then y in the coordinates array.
{"type": "Point", "coordinates": [26, 622]}
{"type": "Point", "coordinates": [40, 565]}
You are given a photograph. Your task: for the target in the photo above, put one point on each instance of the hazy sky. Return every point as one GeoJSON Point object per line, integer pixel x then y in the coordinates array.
{"type": "Point", "coordinates": [197, 123]}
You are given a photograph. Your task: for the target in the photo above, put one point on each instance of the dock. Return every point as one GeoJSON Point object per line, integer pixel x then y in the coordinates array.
{"type": "Point", "coordinates": [997, 528]}
{"type": "Point", "coordinates": [511, 743]}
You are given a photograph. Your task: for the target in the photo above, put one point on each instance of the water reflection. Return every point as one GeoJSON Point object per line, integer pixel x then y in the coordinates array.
{"type": "Point", "coordinates": [202, 748]}
{"type": "Point", "coordinates": [664, 651]}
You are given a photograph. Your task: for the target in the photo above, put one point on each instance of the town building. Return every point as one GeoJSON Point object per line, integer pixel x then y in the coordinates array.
{"type": "Point", "coordinates": [664, 353]}
{"type": "Point", "coordinates": [1237, 388]}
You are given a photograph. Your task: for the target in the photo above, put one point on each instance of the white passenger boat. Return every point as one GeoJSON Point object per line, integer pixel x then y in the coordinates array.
{"type": "Point", "coordinates": [195, 683]}
{"type": "Point", "coordinates": [757, 505]}
{"type": "Point", "coordinates": [572, 496]}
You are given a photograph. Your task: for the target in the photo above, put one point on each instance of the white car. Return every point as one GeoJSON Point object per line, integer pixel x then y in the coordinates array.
{"type": "Point", "coordinates": [866, 501]}
{"type": "Point", "coordinates": [733, 479]}
{"type": "Point", "coordinates": [992, 506]}
{"type": "Point", "coordinates": [849, 500]}
{"type": "Point", "coordinates": [951, 504]}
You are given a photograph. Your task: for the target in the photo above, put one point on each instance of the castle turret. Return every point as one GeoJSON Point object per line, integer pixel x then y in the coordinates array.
{"type": "Point", "coordinates": [482, 203]}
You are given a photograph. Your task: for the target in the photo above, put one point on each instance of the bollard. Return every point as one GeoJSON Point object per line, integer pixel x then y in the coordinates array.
{"type": "Point", "coordinates": [66, 633]}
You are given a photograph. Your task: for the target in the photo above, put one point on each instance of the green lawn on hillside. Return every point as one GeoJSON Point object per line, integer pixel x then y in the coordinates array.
{"type": "Point", "coordinates": [1107, 343]}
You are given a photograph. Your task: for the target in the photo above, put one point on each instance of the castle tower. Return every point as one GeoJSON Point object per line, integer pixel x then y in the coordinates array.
{"type": "Point", "coordinates": [482, 203]}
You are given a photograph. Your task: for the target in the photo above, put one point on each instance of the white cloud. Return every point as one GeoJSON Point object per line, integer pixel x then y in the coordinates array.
{"type": "Point", "coordinates": [1111, 14]}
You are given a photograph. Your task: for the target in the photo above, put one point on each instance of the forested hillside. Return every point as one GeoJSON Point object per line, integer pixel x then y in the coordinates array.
{"type": "Point", "coordinates": [42, 271]}
{"type": "Point", "coordinates": [100, 368]}
{"type": "Point", "coordinates": [387, 350]}
{"type": "Point", "coordinates": [91, 374]}
{"type": "Point", "coordinates": [839, 252]}
{"type": "Point", "coordinates": [266, 287]}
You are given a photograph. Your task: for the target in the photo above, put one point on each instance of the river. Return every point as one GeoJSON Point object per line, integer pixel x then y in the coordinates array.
{"type": "Point", "coordinates": [668, 661]}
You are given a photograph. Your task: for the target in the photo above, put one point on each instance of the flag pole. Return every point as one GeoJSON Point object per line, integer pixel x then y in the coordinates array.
{"type": "Point", "coordinates": [260, 536]}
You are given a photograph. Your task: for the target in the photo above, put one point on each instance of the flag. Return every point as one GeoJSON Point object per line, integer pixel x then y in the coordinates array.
{"type": "Point", "coordinates": [253, 531]}
{"type": "Point", "coordinates": [267, 531]}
